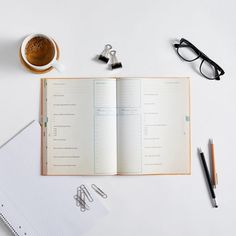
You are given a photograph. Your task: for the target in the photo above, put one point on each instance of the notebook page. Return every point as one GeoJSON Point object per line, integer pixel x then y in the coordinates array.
{"type": "Point", "coordinates": [153, 126]}
{"type": "Point", "coordinates": [81, 126]}
{"type": "Point", "coordinates": [129, 130]}
{"type": "Point", "coordinates": [41, 205]}
{"type": "Point", "coordinates": [15, 222]}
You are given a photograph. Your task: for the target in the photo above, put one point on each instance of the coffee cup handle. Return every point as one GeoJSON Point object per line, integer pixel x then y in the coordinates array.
{"type": "Point", "coordinates": [58, 66]}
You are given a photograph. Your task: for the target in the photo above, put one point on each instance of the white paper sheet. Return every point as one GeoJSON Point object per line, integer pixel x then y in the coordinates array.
{"type": "Point", "coordinates": [46, 203]}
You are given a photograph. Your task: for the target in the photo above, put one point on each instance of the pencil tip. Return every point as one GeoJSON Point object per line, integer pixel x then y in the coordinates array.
{"type": "Point", "coordinates": [215, 203]}
{"type": "Point", "coordinates": [211, 141]}
{"type": "Point", "coordinates": [199, 150]}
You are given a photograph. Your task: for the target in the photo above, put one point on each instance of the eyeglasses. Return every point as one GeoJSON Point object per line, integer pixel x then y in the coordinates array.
{"type": "Point", "coordinates": [208, 68]}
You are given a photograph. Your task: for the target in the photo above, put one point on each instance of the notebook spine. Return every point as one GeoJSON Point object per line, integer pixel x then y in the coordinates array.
{"type": "Point", "coordinates": [44, 121]}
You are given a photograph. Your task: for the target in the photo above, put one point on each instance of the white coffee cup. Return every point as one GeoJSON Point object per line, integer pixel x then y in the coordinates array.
{"type": "Point", "coordinates": [53, 63]}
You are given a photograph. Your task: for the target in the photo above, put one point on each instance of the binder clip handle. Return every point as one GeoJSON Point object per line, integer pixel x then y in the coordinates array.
{"type": "Point", "coordinates": [104, 56]}
{"type": "Point", "coordinates": [114, 61]}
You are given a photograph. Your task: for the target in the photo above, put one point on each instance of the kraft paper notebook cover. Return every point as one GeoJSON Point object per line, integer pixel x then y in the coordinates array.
{"type": "Point", "coordinates": [36, 205]}
{"type": "Point", "coordinates": [109, 126]}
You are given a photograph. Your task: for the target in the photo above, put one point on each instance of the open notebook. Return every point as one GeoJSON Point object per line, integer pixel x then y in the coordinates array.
{"type": "Point", "coordinates": [36, 205]}
{"type": "Point", "coordinates": [109, 126]}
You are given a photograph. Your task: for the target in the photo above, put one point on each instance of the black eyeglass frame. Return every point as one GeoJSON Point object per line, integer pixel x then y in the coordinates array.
{"type": "Point", "coordinates": [218, 70]}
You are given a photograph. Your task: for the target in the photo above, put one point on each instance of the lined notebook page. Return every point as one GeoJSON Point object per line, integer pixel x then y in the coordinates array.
{"type": "Point", "coordinates": [153, 126]}
{"type": "Point", "coordinates": [81, 126]}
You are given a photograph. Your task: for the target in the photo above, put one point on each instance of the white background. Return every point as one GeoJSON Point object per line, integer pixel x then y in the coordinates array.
{"type": "Point", "coordinates": [142, 32]}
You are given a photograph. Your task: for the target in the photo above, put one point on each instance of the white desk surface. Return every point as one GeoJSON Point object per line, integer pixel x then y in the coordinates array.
{"type": "Point", "coordinates": [142, 32]}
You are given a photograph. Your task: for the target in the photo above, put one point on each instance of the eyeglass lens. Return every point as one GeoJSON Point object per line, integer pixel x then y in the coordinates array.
{"type": "Point", "coordinates": [208, 70]}
{"type": "Point", "coordinates": [189, 54]}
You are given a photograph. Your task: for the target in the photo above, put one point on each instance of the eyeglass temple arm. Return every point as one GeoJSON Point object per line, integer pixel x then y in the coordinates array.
{"type": "Point", "coordinates": [176, 45]}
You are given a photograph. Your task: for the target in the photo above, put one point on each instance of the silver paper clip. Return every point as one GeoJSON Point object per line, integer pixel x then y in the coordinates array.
{"type": "Point", "coordinates": [80, 201]}
{"type": "Point", "coordinates": [82, 196]}
{"type": "Point", "coordinates": [86, 192]}
{"type": "Point", "coordinates": [114, 61]}
{"type": "Point", "coordinates": [78, 196]}
{"type": "Point", "coordinates": [104, 56]}
{"type": "Point", "coordinates": [98, 191]}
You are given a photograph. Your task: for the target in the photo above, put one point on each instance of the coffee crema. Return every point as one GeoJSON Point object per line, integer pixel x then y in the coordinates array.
{"type": "Point", "coordinates": [39, 51]}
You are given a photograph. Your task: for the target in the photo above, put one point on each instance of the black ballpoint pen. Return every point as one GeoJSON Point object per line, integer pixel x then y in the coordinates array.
{"type": "Point", "coordinates": [213, 196]}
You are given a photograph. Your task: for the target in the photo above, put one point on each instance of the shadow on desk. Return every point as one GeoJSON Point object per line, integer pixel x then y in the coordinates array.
{"type": "Point", "coordinates": [4, 231]}
{"type": "Point", "coordinates": [9, 54]}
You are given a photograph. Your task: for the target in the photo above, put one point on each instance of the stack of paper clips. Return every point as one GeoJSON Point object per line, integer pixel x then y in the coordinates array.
{"type": "Point", "coordinates": [83, 196]}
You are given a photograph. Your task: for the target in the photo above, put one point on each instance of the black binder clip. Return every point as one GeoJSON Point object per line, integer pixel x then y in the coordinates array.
{"type": "Point", "coordinates": [114, 62]}
{"type": "Point", "coordinates": [104, 56]}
